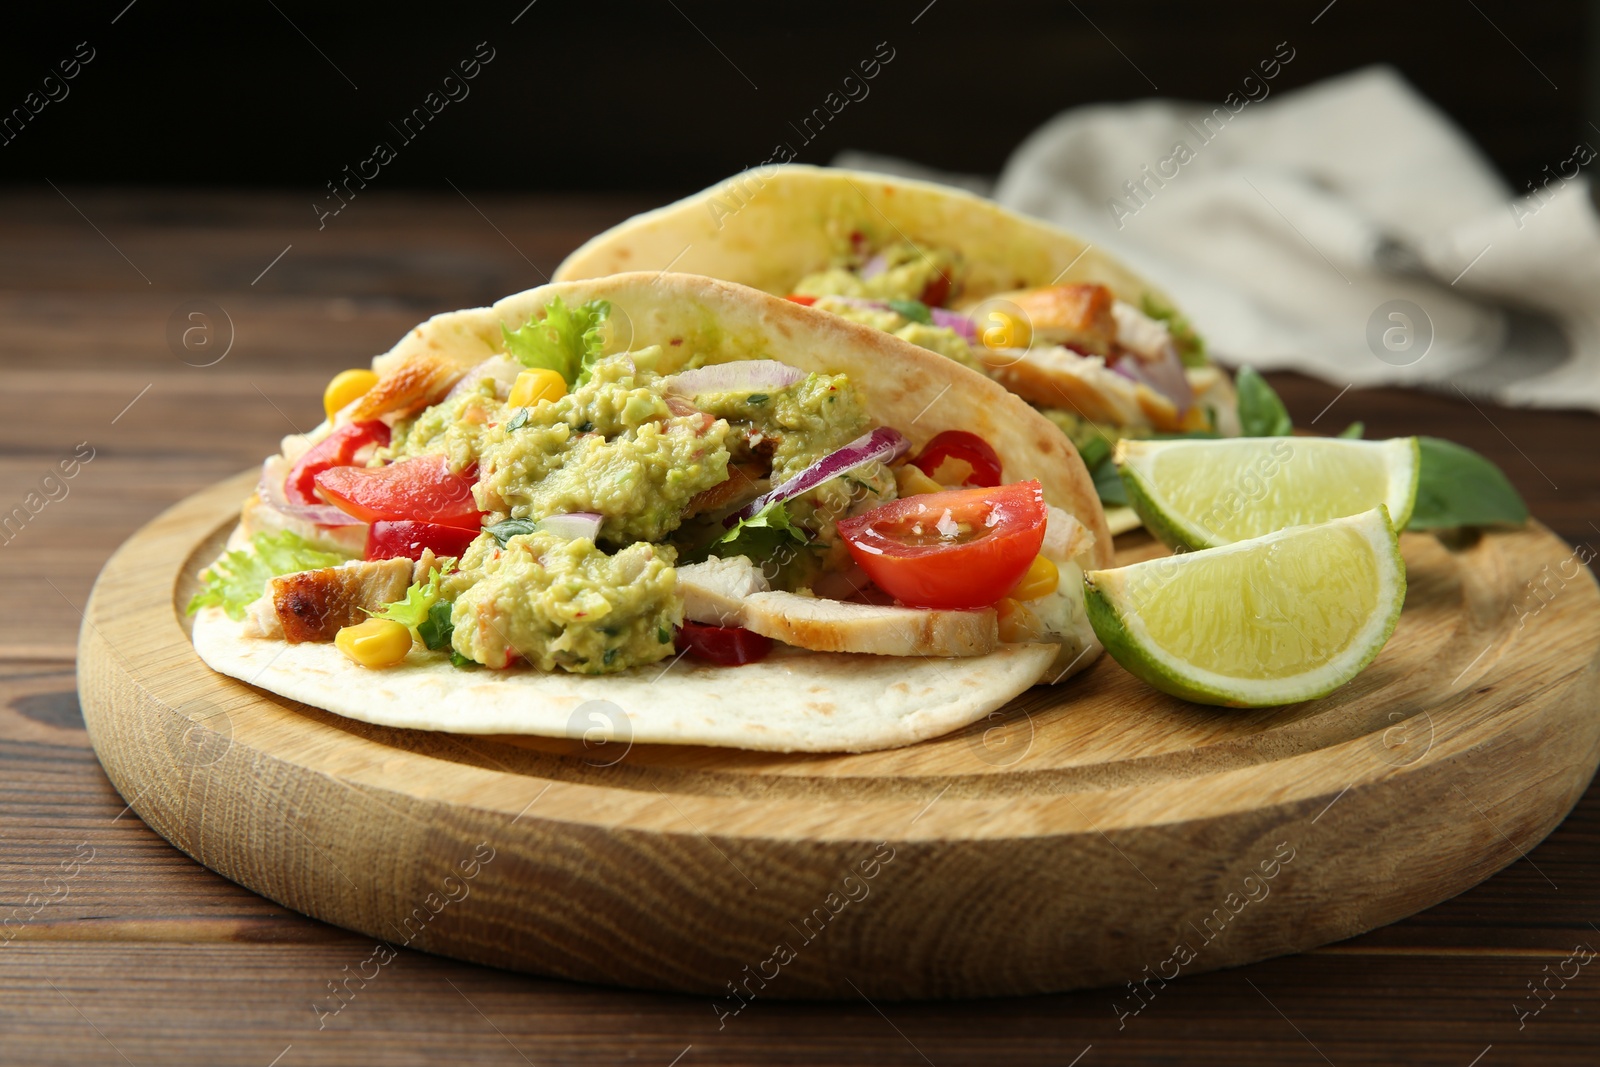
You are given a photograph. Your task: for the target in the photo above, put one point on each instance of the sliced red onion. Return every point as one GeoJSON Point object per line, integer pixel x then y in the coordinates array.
{"type": "Point", "coordinates": [874, 266]}
{"type": "Point", "coordinates": [743, 376]}
{"type": "Point", "coordinates": [503, 369]}
{"type": "Point", "coordinates": [954, 320]}
{"type": "Point", "coordinates": [573, 525]}
{"type": "Point", "coordinates": [270, 489]}
{"type": "Point", "coordinates": [877, 446]}
{"type": "Point", "coordinates": [1164, 375]}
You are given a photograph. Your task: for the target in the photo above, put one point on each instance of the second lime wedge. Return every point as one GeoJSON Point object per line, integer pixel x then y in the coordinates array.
{"type": "Point", "coordinates": [1275, 620]}
{"type": "Point", "coordinates": [1204, 493]}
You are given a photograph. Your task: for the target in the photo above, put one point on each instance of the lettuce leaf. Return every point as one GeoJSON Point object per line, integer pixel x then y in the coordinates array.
{"type": "Point", "coordinates": [240, 577]}
{"type": "Point", "coordinates": [414, 609]}
{"type": "Point", "coordinates": [567, 340]}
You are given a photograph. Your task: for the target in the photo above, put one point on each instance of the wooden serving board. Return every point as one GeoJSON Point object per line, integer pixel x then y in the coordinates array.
{"type": "Point", "coordinates": [1098, 833]}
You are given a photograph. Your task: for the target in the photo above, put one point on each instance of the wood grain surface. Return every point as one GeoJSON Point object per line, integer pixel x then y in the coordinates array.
{"type": "Point", "coordinates": [144, 956]}
{"type": "Point", "coordinates": [1114, 834]}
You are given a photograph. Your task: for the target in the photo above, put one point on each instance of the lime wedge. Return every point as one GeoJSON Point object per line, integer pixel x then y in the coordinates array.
{"type": "Point", "coordinates": [1201, 494]}
{"type": "Point", "coordinates": [1287, 617]}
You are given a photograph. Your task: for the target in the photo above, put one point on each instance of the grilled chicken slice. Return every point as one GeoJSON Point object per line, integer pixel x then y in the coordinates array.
{"type": "Point", "coordinates": [419, 380]}
{"type": "Point", "coordinates": [316, 605]}
{"type": "Point", "coordinates": [1077, 315]}
{"type": "Point", "coordinates": [837, 626]}
{"type": "Point", "coordinates": [1057, 377]}
{"type": "Point", "coordinates": [731, 592]}
{"type": "Point", "coordinates": [714, 591]}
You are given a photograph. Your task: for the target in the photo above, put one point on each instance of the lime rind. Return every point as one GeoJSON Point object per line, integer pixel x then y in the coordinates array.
{"type": "Point", "coordinates": [1243, 467]}
{"type": "Point", "coordinates": [1130, 643]}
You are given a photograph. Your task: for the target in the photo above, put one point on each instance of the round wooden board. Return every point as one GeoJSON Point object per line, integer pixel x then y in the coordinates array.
{"type": "Point", "coordinates": [1097, 833]}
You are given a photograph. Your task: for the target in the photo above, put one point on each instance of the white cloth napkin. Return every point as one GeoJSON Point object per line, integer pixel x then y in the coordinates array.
{"type": "Point", "coordinates": [1348, 230]}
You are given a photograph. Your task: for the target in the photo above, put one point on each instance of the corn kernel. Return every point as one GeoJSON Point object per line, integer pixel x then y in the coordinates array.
{"type": "Point", "coordinates": [1041, 580]}
{"type": "Point", "coordinates": [910, 481]}
{"type": "Point", "coordinates": [533, 386]}
{"type": "Point", "coordinates": [375, 643]}
{"type": "Point", "coordinates": [346, 386]}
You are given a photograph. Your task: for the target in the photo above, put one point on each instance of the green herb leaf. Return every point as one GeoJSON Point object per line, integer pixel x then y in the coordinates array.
{"type": "Point", "coordinates": [518, 421]}
{"type": "Point", "coordinates": [1108, 484]}
{"type": "Point", "coordinates": [415, 608]}
{"type": "Point", "coordinates": [240, 577]}
{"type": "Point", "coordinates": [1261, 413]}
{"type": "Point", "coordinates": [505, 531]}
{"type": "Point", "coordinates": [458, 660]}
{"type": "Point", "coordinates": [1458, 487]}
{"type": "Point", "coordinates": [915, 310]}
{"type": "Point", "coordinates": [1354, 431]}
{"type": "Point", "coordinates": [1095, 450]}
{"type": "Point", "coordinates": [437, 629]}
{"type": "Point", "coordinates": [567, 340]}
{"type": "Point", "coordinates": [758, 398]}
{"type": "Point", "coordinates": [759, 536]}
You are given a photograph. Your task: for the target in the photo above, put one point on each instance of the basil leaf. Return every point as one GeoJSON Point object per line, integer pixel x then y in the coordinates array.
{"type": "Point", "coordinates": [1108, 484]}
{"type": "Point", "coordinates": [437, 629]}
{"type": "Point", "coordinates": [519, 420]}
{"type": "Point", "coordinates": [504, 531]}
{"type": "Point", "coordinates": [1095, 451]}
{"type": "Point", "coordinates": [1458, 487]}
{"type": "Point", "coordinates": [915, 310]}
{"type": "Point", "coordinates": [1261, 413]}
{"type": "Point", "coordinates": [1354, 430]}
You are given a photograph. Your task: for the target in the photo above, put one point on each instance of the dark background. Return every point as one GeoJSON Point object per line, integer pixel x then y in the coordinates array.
{"type": "Point", "coordinates": [673, 94]}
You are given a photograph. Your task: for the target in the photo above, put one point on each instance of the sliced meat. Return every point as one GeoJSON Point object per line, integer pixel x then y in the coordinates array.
{"type": "Point", "coordinates": [421, 379]}
{"type": "Point", "coordinates": [1057, 377]}
{"type": "Point", "coordinates": [835, 626]}
{"type": "Point", "coordinates": [731, 592]}
{"type": "Point", "coordinates": [316, 605]}
{"type": "Point", "coordinates": [1139, 333]}
{"type": "Point", "coordinates": [714, 592]}
{"type": "Point", "coordinates": [1079, 316]}
{"type": "Point", "coordinates": [744, 483]}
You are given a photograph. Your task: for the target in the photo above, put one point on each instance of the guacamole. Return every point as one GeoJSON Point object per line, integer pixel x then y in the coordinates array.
{"type": "Point", "coordinates": [455, 427]}
{"type": "Point", "coordinates": [564, 603]}
{"type": "Point", "coordinates": [613, 447]}
{"type": "Point", "coordinates": [940, 339]}
{"type": "Point", "coordinates": [900, 271]}
{"type": "Point", "coordinates": [795, 425]}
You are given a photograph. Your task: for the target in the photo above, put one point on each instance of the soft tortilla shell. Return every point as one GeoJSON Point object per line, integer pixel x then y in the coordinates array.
{"type": "Point", "coordinates": [768, 227]}
{"type": "Point", "coordinates": [793, 701]}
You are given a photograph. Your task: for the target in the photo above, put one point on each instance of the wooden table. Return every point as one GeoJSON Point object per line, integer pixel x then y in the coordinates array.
{"type": "Point", "coordinates": [121, 949]}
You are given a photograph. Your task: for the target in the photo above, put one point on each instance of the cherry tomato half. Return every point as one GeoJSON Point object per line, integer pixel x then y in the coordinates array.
{"type": "Point", "coordinates": [805, 301]}
{"type": "Point", "coordinates": [338, 449]}
{"type": "Point", "coordinates": [726, 646]}
{"type": "Point", "coordinates": [391, 539]}
{"type": "Point", "coordinates": [965, 548]}
{"type": "Point", "coordinates": [424, 489]}
{"type": "Point", "coordinates": [967, 447]}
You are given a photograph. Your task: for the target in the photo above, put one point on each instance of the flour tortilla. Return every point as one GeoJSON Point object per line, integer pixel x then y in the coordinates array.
{"type": "Point", "coordinates": [794, 700]}
{"type": "Point", "coordinates": [771, 226]}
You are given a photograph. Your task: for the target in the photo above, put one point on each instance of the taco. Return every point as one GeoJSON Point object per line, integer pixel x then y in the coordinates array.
{"type": "Point", "coordinates": [1097, 350]}
{"type": "Point", "coordinates": [677, 506]}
